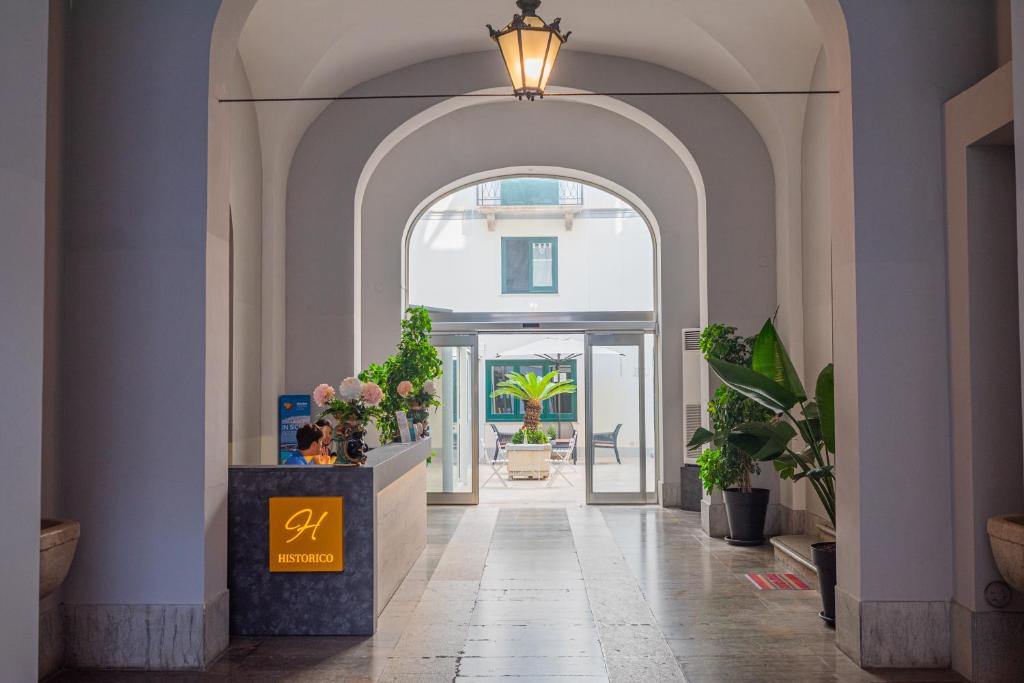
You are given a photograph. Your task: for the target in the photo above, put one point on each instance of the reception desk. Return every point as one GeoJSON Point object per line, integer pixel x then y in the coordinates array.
{"type": "Point", "coordinates": [333, 586]}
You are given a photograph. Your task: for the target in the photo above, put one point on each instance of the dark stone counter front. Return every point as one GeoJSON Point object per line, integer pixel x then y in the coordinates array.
{"type": "Point", "coordinates": [318, 603]}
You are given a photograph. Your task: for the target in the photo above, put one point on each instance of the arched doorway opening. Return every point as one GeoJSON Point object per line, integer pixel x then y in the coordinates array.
{"type": "Point", "coordinates": [543, 273]}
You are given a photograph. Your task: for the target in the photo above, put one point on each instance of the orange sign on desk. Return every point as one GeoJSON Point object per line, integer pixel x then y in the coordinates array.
{"type": "Point", "coordinates": [306, 535]}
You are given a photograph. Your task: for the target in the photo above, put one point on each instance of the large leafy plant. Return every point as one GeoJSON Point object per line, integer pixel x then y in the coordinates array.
{"type": "Point", "coordinates": [417, 361]}
{"type": "Point", "coordinates": [725, 465]}
{"type": "Point", "coordinates": [772, 381]}
{"type": "Point", "coordinates": [533, 391]}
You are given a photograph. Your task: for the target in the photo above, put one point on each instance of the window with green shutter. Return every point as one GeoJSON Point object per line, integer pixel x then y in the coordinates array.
{"type": "Point", "coordinates": [529, 265]}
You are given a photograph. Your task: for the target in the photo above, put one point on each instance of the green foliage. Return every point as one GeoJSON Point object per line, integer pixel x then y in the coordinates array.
{"type": "Point", "coordinates": [532, 390]}
{"type": "Point", "coordinates": [416, 361]}
{"type": "Point", "coordinates": [774, 384]}
{"type": "Point", "coordinates": [721, 341]}
{"type": "Point", "coordinates": [718, 471]}
{"type": "Point", "coordinates": [530, 387]}
{"type": "Point", "coordinates": [726, 465]}
{"type": "Point", "coordinates": [532, 436]}
{"type": "Point", "coordinates": [550, 431]}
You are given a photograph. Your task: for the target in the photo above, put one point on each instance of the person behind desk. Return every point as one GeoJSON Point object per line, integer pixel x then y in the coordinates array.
{"type": "Point", "coordinates": [307, 439]}
{"type": "Point", "coordinates": [327, 441]}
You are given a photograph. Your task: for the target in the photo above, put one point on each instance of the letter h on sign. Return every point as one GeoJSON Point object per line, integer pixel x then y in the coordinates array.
{"type": "Point", "coordinates": [306, 535]}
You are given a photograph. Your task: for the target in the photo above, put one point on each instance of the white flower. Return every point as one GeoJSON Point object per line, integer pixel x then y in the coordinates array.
{"type": "Point", "coordinates": [429, 387]}
{"type": "Point", "coordinates": [351, 389]}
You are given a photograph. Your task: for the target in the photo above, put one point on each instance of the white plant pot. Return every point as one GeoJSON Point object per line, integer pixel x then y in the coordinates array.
{"type": "Point", "coordinates": [529, 461]}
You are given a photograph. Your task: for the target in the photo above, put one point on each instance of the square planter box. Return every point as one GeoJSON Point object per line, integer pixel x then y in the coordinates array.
{"type": "Point", "coordinates": [528, 461]}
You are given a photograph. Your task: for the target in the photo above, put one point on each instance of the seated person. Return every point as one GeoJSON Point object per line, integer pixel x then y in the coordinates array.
{"type": "Point", "coordinates": [307, 439]}
{"type": "Point", "coordinates": [327, 441]}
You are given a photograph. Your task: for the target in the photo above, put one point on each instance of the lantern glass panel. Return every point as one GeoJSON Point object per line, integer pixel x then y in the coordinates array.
{"type": "Point", "coordinates": [509, 44]}
{"type": "Point", "coordinates": [552, 53]}
{"type": "Point", "coordinates": [535, 52]}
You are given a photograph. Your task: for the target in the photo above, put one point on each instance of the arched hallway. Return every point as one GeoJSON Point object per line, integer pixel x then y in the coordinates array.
{"type": "Point", "coordinates": [180, 260]}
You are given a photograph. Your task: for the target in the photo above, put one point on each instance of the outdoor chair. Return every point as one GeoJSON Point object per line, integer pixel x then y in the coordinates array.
{"type": "Point", "coordinates": [609, 440]}
{"type": "Point", "coordinates": [562, 457]}
{"type": "Point", "coordinates": [501, 439]}
{"type": "Point", "coordinates": [495, 464]}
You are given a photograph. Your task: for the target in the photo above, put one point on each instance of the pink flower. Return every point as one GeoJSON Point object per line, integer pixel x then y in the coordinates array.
{"type": "Point", "coordinates": [371, 394]}
{"type": "Point", "coordinates": [323, 394]}
{"type": "Point", "coordinates": [351, 389]}
{"type": "Point", "coordinates": [404, 388]}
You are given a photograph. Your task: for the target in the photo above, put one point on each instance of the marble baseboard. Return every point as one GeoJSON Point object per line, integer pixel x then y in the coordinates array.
{"type": "Point", "coordinates": [986, 646]}
{"type": "Point", "coordinates": [715, 523]}
{"type": "Point", "coordinates": [51, 641]}
{"type": "Point", "coordinates": [893, 635]}
{"type": "Point", "coordinates": [848, 625]}
{"type": "Point", "coordinates": [154, 637]}
{"type": "Point", "coordinates": [713, 520]}
{"type": "Point", "coordinates": [216, 627]}
{"type": "Point", "coordinates": [792, 521]}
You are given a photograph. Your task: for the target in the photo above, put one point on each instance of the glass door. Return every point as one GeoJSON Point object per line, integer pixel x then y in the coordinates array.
{"type": "Point", "coordinates": [452, 476]}
{"type": "Point", "coordinates": [621, 463]}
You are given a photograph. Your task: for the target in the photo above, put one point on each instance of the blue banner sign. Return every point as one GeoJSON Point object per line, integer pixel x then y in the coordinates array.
{"type": "Point", "coordinates": [293, 411]}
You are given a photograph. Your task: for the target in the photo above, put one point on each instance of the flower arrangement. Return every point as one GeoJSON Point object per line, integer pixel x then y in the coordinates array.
{"type": "Point", "coordinates": [351, 406]}
{"type": "Point", "coordinates": [419, 401]}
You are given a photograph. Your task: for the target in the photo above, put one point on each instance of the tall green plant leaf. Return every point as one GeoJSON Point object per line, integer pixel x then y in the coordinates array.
{"type": "Point", "coordinates": [754, 385]}
{"type": "Point", "coordinates": [700, 437]}
{"type": "Point", "coordinates": [825, 397]}
{"type": "Point", "coordinates": [769, 358]}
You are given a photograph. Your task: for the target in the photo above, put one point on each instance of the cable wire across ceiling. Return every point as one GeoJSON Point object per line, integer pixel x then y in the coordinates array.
{"type": "Point", "coordinates": [563, 95]}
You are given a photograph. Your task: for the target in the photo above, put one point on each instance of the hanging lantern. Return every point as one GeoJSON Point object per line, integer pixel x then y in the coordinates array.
{"type": "Point", "coordinates": [529, 47]}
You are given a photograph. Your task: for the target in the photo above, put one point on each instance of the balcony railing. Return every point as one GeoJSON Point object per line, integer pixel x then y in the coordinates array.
{"type": "Point", "coordinates": [529, 192]}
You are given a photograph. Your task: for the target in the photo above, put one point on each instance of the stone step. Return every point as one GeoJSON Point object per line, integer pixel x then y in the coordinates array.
{"type": "Point", "coordinates": [794, 553]}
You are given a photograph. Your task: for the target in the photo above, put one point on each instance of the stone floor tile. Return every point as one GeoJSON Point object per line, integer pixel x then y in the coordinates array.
{"type": "Point", "coordinates": [647, 669]}
{"type": "Point", "coordinates": [532, 666]}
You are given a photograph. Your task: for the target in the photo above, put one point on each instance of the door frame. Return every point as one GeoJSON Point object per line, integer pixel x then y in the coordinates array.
{"type": "Point", "coordinates": [453, 325]}
{"type": "Point", "coordinates": [471, 497]}
{"type": "Point", "coordinates": [641, 496]}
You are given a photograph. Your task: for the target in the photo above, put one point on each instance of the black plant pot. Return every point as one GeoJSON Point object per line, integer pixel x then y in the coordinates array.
{"type": "Point", "coordinates": [746, 512]}
{"type": "Point", "coordinates": [824, 557]}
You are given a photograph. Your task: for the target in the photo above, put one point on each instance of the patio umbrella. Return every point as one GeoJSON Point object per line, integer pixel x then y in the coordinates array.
{"type": "Point", "coordinates": [555, 349]}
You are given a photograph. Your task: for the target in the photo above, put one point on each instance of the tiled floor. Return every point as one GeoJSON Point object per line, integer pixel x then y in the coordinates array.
{"type": "Point", "coordinates": [566, 593]}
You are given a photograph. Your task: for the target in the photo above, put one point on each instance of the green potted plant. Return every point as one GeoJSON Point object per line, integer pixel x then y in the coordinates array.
{"type": "Point", "coordinates": [772, 381]}
{"type": "Point", "coordinates": [413, 368]}
{"type": "Point", "coordinates": [530, 450]}
{"type": "Point", "coordinates": [725, 466]}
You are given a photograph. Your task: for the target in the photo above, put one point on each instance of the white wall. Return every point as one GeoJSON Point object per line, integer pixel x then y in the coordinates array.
{"type": "Point", "coordinates": [24, 29]}
{"type": "Point", "coordinates": [816, 255]}
{"type": "Point", "coordinates": [900, 81]}
{"type": "Point", "coordinates": [133, 302]}
{"type": "Point", "coordinates": [604, 263]}
{"type": "Point", "coordinates": [246, 196]}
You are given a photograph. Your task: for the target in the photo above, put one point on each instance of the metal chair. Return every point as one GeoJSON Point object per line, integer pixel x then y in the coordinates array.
{"type": "Point", "coordinates": [561, 458]}
{"type": "Point", "coordinates": [609, 440]}
{"type": "Point", "coordinates": [495, 464]}
{"type": "Point", "coordinates": [501, 439]}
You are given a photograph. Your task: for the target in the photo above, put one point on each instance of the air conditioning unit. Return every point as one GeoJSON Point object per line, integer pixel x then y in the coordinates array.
{"type": "Point", "coordinates": [694, 383]}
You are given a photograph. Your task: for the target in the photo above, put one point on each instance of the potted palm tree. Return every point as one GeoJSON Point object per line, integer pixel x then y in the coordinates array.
{"type": "Point", "coordinates": [772, 381]}
{"type": "Point", "coordinates": [530, 449]}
